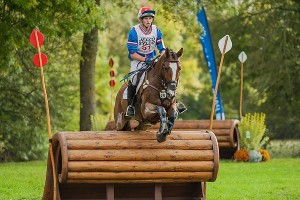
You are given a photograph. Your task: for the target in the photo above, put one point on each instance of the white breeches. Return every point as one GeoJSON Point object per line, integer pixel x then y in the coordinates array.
{"type": "Point", "coordinates": [134, 65]}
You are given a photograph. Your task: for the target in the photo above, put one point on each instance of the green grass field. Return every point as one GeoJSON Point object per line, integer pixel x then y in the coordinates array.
{"type": "Point", "coordinates": [277, 179]}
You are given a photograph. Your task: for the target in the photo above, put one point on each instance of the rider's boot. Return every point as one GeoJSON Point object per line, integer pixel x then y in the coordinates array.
{"type": "Point", "coordinates": [130, 111]}
{"type": "Point", "coordinates": [180, 107]}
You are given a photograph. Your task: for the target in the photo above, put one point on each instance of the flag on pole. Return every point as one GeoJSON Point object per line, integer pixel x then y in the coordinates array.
{"type": "Point", "coordinates": [209, 56]}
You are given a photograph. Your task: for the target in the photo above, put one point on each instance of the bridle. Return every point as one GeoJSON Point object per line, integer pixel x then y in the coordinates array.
{"type": "Point", "coordinates": [168, 87]}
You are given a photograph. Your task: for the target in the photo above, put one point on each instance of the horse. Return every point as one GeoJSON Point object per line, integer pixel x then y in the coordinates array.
{"type": "Point", "coordinates": [155, 99]}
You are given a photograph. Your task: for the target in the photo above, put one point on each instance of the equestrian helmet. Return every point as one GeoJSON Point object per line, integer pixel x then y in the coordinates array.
{"type": "Point", "coordinates": [146, 12]}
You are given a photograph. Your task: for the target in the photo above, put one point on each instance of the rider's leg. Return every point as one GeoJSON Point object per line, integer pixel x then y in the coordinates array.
{"type": "Point", "coordinates": [130, 111]}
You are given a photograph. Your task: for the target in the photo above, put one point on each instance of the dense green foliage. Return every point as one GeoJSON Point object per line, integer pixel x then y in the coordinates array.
{"type": "Point", "coordinates": [22, 112]}
{"type": "Point", "coordinates": [276, 179]}
{"type": "Point", "coordinates": [267, 30]}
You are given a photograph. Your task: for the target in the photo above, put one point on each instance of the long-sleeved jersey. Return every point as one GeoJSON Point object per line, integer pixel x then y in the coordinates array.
{"type": "Point", "coordinates": [144, 43]}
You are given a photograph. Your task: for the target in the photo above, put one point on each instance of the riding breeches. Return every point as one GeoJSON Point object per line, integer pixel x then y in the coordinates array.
{"type": "Point", "coordinates": [135, 65]}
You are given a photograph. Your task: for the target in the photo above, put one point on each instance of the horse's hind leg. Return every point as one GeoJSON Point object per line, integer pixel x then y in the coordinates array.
{"type": "Point", "coordinates": [126, 126]}
{"type": "Point", "coordinates": [122, 124]}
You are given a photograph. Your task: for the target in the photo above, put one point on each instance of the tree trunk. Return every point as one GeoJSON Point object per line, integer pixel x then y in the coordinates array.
{"type": "Point", "coordinates": [87, 78]}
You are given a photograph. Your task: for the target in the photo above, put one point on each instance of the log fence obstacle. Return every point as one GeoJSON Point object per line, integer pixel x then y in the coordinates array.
{"type": "Point", "coordinates": [131, 165]}
{"type": "Point", "coordinates": [226, 132]}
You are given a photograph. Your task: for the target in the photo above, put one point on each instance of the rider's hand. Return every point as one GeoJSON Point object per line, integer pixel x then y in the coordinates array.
{"type": "Point", "coordinates": [149, 61]}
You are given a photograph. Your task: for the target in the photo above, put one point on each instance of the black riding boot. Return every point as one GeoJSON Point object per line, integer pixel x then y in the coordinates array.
{"type": "Point", "coordinates": [130, 111]}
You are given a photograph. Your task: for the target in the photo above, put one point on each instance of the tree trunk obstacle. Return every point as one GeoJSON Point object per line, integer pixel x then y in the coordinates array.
{"type": "Point", "coordinates": [226, 131]}
{"type": "Point", "coordinates": [132, 165]}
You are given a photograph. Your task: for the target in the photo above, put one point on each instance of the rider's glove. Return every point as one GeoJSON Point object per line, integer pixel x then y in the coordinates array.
{"type": "Point", "coordinates": [149, 62]}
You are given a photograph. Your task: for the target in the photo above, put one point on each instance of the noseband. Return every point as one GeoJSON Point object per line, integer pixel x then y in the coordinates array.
{"type": "Point", "coordinates": [171, 85]}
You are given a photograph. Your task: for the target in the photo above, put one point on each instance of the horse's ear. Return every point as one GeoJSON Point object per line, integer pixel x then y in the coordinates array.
{"type": "Point", "coordinates": [167, 52]}
{"type": "Point", "coordinates": [179, 53]}
{"type": "Point", "coordinates": [163, 55]}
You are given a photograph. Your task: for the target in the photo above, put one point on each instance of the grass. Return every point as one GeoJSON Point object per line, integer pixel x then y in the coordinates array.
{"type": "Point", "coordinates": [22, 180]}
{"type": "Point", "coordinates": [277, 179]}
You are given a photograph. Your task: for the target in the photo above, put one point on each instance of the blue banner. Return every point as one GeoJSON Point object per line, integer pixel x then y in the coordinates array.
{"type": "Point", "coordinates": [210, 60]}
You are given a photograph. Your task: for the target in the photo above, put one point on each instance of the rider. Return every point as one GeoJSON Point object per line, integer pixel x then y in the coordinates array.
{"type": "Point", "coordinates": [142, 40]}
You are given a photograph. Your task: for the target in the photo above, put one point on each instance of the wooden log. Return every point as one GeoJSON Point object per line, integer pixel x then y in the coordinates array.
{"type": "Point", "coordinates": [141, 154]}
{"type": "Point", "coordinates": [138, 144]}
{"type": "Point", "coordinates": [192, 176]}
{"type": "Point", "coordinates": [186, 124]}
{"type": "Point", "coordinates": [136, 135]}
{"type": "Point", "coordinates": [140, 166]}
{"type": "Point", "coordinates": [118, 181]}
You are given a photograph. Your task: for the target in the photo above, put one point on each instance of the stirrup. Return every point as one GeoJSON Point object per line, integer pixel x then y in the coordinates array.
{"type": "Point", "coordinates": [130, 111]}
{"type": "Point", "coordinates": [181, 107]}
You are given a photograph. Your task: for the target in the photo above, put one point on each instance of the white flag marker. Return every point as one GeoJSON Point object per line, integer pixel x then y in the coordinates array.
{"type": "Point", "coordinates": [242, 57]}
{"type": "Point", "coordinates": [226, 43]}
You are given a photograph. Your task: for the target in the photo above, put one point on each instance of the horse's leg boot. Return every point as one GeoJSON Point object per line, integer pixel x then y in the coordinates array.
{"type": "Point", "coordinates": [130, 111]}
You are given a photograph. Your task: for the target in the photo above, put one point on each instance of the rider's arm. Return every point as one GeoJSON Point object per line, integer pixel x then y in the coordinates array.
{"type": "Point", "coordinates": [159, 42]}
{"type": "Point", "coordinates": [132, 45]}
{"type": "Point", "coordinates": [138, 57]}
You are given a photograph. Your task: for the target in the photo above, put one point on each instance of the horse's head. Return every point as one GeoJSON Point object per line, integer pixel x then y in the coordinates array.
{"type": "Point", "coordinates": [168, 68]}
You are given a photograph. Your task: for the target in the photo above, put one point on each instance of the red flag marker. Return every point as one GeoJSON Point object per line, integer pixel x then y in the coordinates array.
{"type": "Point", "coordinates": [112, 73]}
{"type": "Point", "coordinates": [112, 83]}
{"type": "Point", "coordinates": [40, 37]}
{"type": "Point", "coordinates": [111, 62]}
{"type": "Point", "coordinates": [36, 60]}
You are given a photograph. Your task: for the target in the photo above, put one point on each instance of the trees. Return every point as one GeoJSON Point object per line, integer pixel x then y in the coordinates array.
{"type": "Point", "coordinates": [87, 77]}
{"type": "Point", "coordinates": [21, 102]}
{"type": "Point", "coordinates": [268, 31]}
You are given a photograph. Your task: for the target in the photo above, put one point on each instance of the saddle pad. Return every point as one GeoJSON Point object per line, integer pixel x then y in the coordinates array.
{"type": "Point", "coordinates": [125, 96]}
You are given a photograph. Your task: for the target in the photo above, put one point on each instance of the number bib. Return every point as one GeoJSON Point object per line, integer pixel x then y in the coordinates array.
{"type": "Point", "coordinates": [146, 42]}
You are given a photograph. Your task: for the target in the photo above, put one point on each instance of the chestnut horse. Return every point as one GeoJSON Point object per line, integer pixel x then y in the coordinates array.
{"type": "Point", "coordinates": [155, 99]}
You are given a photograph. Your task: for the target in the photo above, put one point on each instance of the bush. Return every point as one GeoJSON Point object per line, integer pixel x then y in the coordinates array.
{"type": "Point", "coordinates": [252, 129]}
{"type": "Point", "coordinates": [241, 155]}
{"type": "Point", "coordinates": [265, 155]}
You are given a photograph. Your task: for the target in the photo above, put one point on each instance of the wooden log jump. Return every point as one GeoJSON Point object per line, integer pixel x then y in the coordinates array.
{"type": "Point", "coordinates": [113, 165]}
{"type": "Point", "coordinates": [226, 132]}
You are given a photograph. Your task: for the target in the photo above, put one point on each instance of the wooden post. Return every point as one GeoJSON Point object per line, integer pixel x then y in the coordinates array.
{"type": "Point", "coordinates": [48, 116]}
{"type": "Point", "coordinates": [241, 92]}
{"type": "Point", "coordinates": [110, 192]}
{"type": "Point", "coordinates": [242, 57]}
{"type": "Point", "coordinates": [158, 192]}
{"type": "Point", "coordinates": [217, 85]}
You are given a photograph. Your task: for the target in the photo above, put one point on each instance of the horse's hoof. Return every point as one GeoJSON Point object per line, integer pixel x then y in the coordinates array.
{"type": "Point", "coordinates": [161, 137]}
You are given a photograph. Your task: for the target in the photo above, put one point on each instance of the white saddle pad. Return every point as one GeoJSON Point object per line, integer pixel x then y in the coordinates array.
{"type": "Point", "coordinates": [137, 88]}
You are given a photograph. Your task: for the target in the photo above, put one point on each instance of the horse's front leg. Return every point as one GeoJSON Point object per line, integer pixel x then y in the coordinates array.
{"type": "Point", "coordinates": [172, 116]}
{"type": "Point", "coordinates": [150, 111]}
{"type": "Point", "coordinates": [163, 129]}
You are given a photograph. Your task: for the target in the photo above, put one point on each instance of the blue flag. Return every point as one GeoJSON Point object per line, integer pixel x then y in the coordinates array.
{"type": "Point", "coordinates": [209, 56]}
